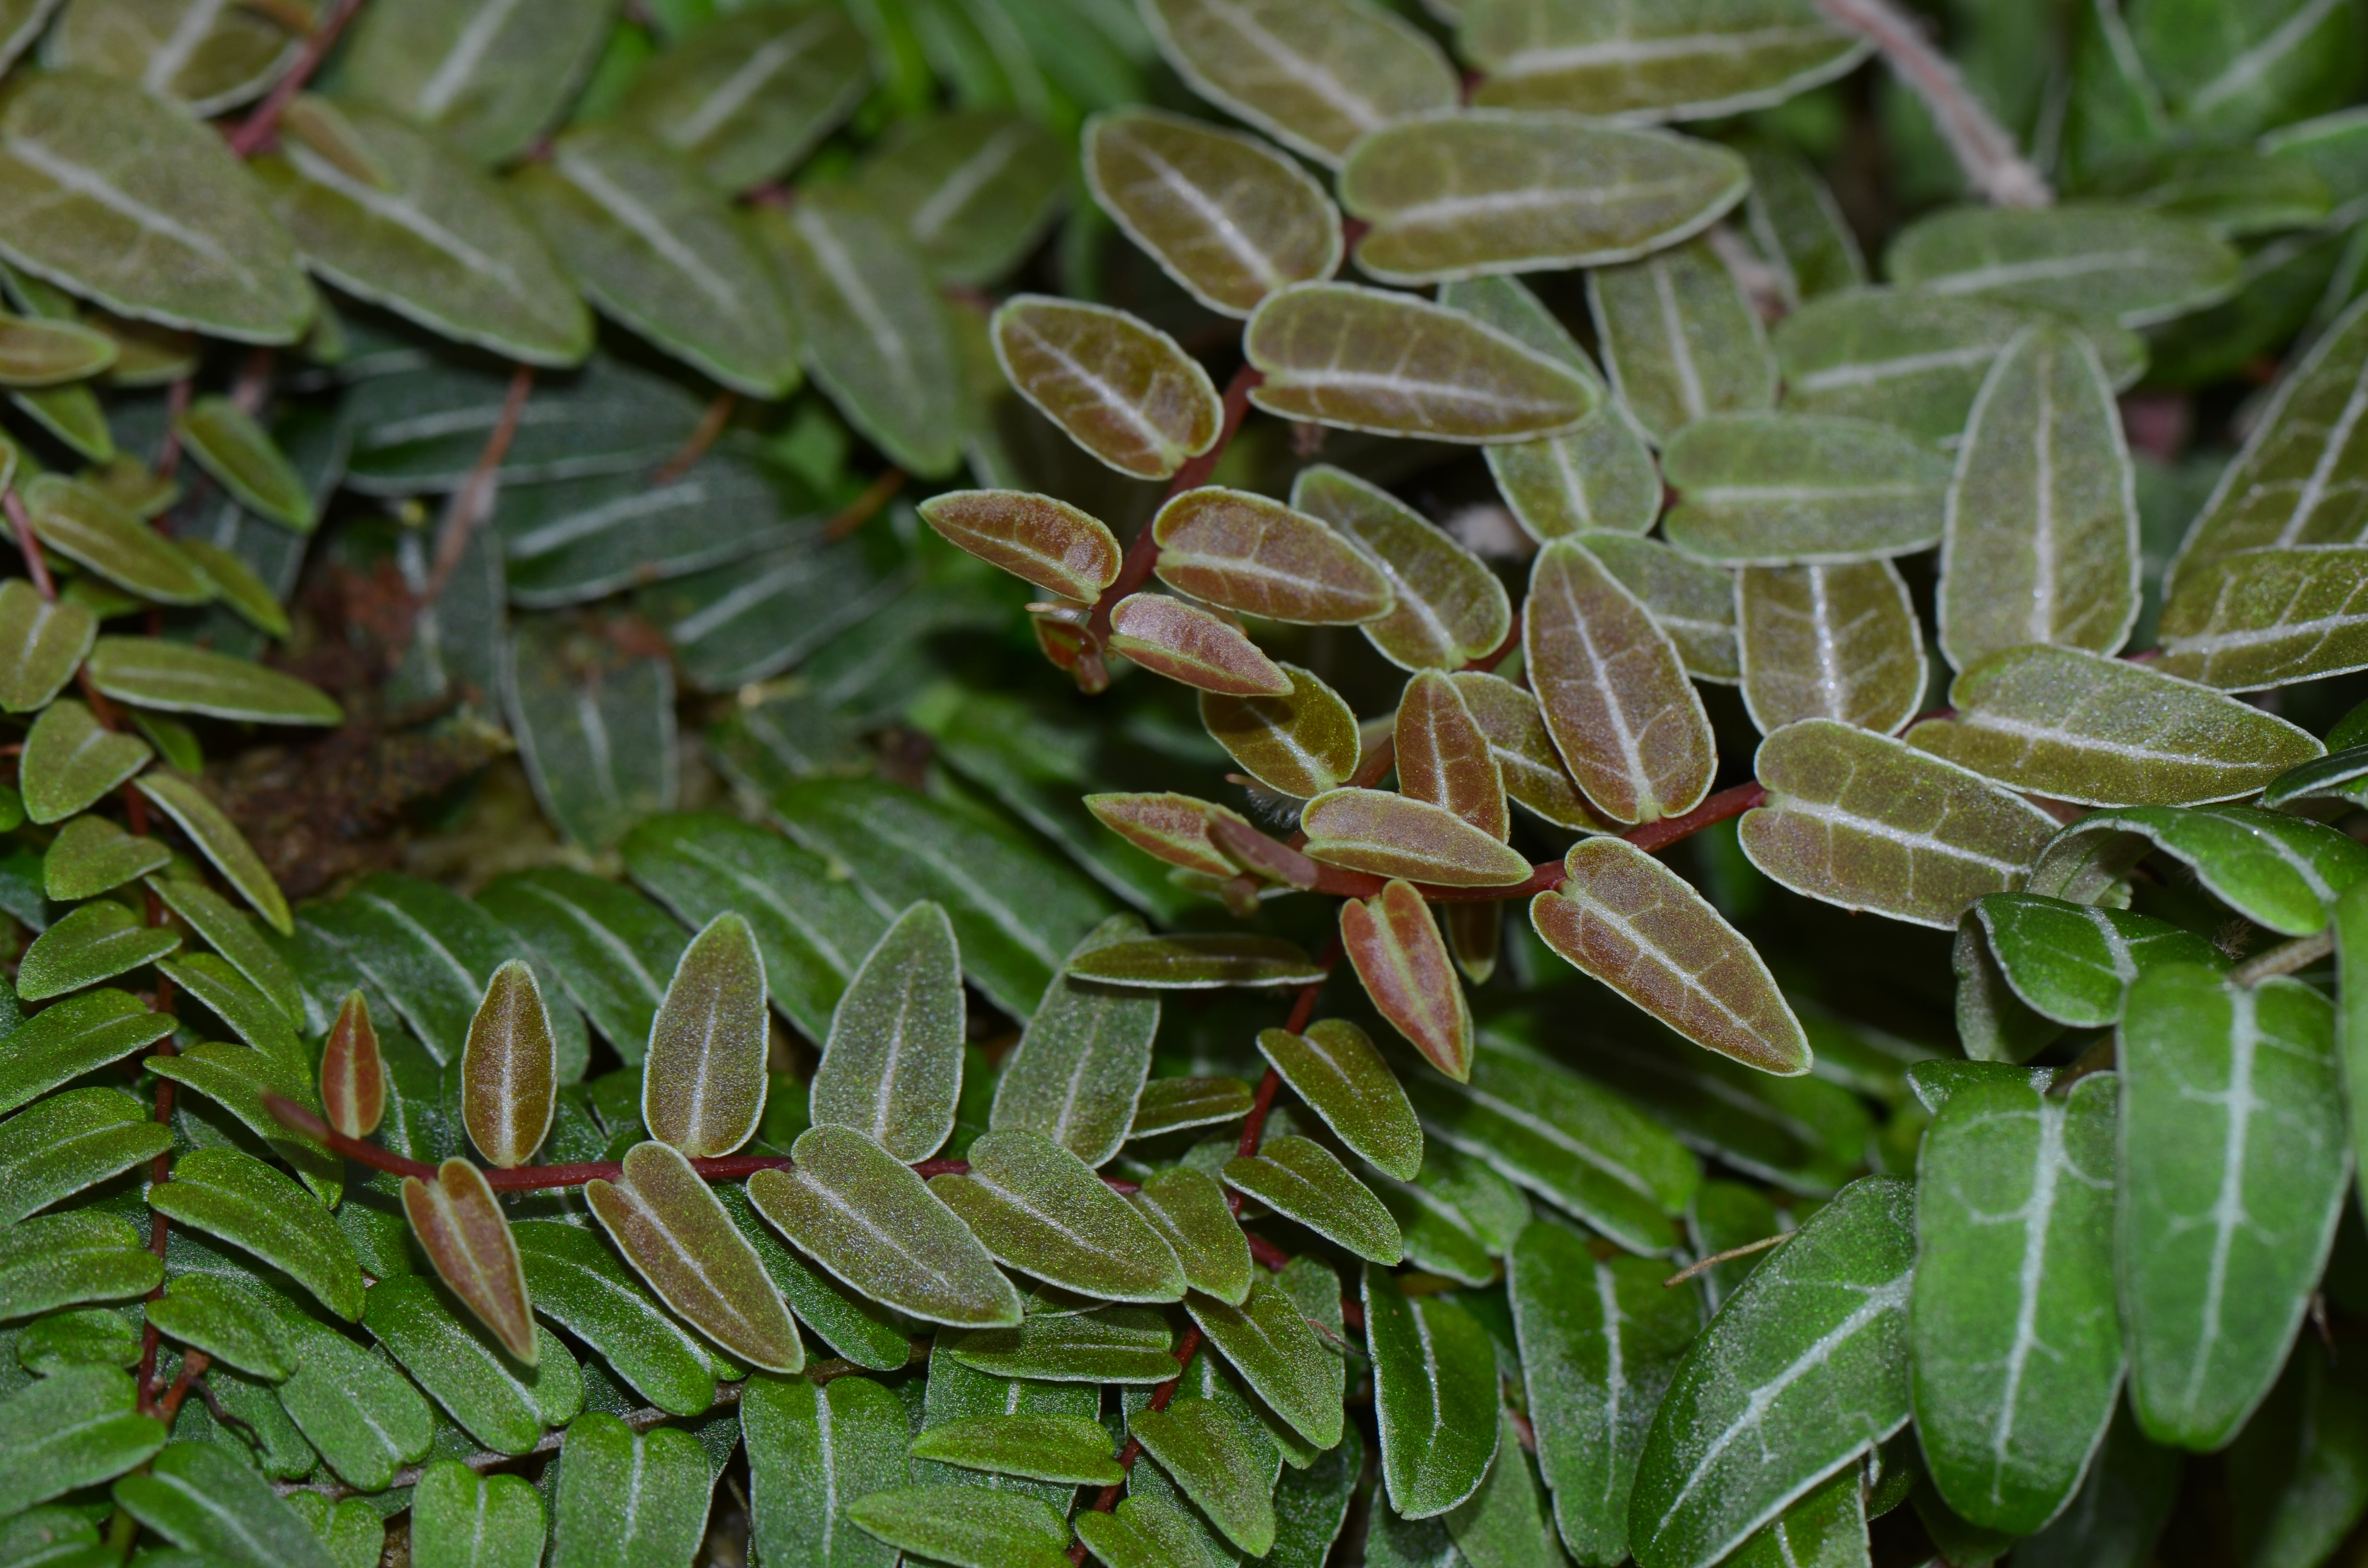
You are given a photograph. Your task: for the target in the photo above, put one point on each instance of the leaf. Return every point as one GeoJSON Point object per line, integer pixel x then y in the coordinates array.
{"type": "Point", "coordinates": [1781, 490]}
{"type": "Point", "coordinates": [1188, 1208]}
{"type": "Point", "coordinates": [1681, 61]}
{"type": "Point", "coordinates": [144, 211]}
{"type": "Point", "coordinates": [954, 1392]}
{"type": "Point", "coordinates": [1210, 1451]}
{"type": "Point", "coordinates": [1434, 1397]}
{"type": "Point", "coordinates": [1917, 361]}
{"type": "Point", "coordinates": [2041, 542]}
{"type": "Point", "coordinates": [1040, 1210]}
{"type": "Point", "coordinates": [2232, 1176]}
{"type": "Point", "coordinates": [73, 1141]}
{"type": "Point", "coordinates": [1861, 821]}
{"type": "Point", "coordinates": [1299, 743]}
{"type": "Point", "coordinates": [1113, 1345]}
{"type": "Point", "coordinates": [652, 245]}
{"type": "Point", "coordinates": [973, 190]}
{"type": "Point", "coordinates": [703, 1080]}
{"type": "Point", "coordinates": [595, 730]}
{"type": "Point", "coordinates": [1464, 193]}
{"type": "Point", "coordinates": [1827, 1526]}
{"type": "Point", "coordinates": [460, 1227]}
{"type": "Point", "coordinates": [2078, 726]}
{"type": "Point", "coordinates": [1803, 1371]}
{"type": "Point", "coordinates": [813, 929]}
{"type": "Point", "coordinates": [475, 1521]}
{"type": "Point", "coordinates": [646, 1491]}
{"type": "Point", "coordinates": [1067, 1448]}
{"type": "Point", "coordinates": [71, 1429]}
{"type": "Point", "coordinates": [1395, 835]}
{"type": "Point", "coordinates": [1316, 77]}
{"type": "Point", "coordinates": [1625, 918]}
{"type": "Point", "coordinates": [2274, 869]}
{"type": "Point", "coordinates": [1303, 1180]}
{"type": "Point", "coordinates": [1531, 768]}
{"type": "Point", "coordinates": [1449, 607]}
{"type": "Point", "coordinates": [1680, 341]}
{"type": "Point", "coordinates": [41, 645]}
{"type": "Point", "coordinates": [1334, 1067]}
{"type": "Point", "coordinates": [2093, 259]}
{"type": "Point", "coordinates": [58, 1260]}
{"type": "Point", "coordinates": [1189, 645]}
{"type": "Point", "coordinates": [1392, 942]}
{"type": "Point", "coordinates": [61, 1043]}
{"type": "Point", "coordinates": [1169, 1105]}
{"type": "Point", "coordinates": [1613, 694]}
{"type": "Point", "coordinates": [219, 839]}
{"type": "Point", "coordinates": [1047, 542]}
{"type": "Point", "coordinates": [1123, 389]}
{"type": "Point", "coordinates": [813, 1450]}
{"type": "Point", "coordinates": [2075, 963]}
{"type": "Point", "coordinates": [489, 80]}
{"type": "Point", "coordinates": [1271, 1343]}
{"type": "Point", "coordinates": [241, 591]}
{"type": "Point", "coordinates": [1245, 553]}
{"type": "Point", "coordinates": [578, 1282]}
{"type": "Point", "coordinates": [748, 96]}
{"type": "Point", "coordinates": [237, 1079]}
{"type": "Point", "coordinates": [1804, 1133]}
{"type": "Point", "coordinates": [2259, 617]}
{"type": "Point", "coordinates": [1395, 365]}
{"type": "Point", "coordinates": [259, 1209]}
{"type": "Point", "coordinates": [1443, 756]}
{"type": "Point", "coordinates": [36, 353]}
{"type": "Point", "coordinates": [1227, 216]}
{"type": "Point", "coordinates": [1147, 1532]}
{"type": "Point", "coordinates": [2297, 1462]}
{"type": "Point", "coordinates": [178, 679]}
{"type": "Point", "coordinates": [199, 1497]}
{"type": "Point", "coordinates": [426, 234]}
{"type": "Point", "coordinates": [857, 1211]}
{"type": "Point", "coordinates": [568, 540]}
{"type": "Point", "coordinates": [892, 1068]}
{"type": "Point", "coordinates": [424, 428]}
{"type": "Point", "coordinates": [1836, 643]}
{"type": "Point", "coordinates": [231, 446]}
{"type": "Point", "coordinates": [1600, 1340]}
{"type": "Point", "coordinates": [1081, 1061]}
{"type": "Point", "coordinates": [967, 1527]}
{"type": "Point", "coordinates": [465, 1371]}
{"type": "Point", "coordinates": [233, 935]}
{"type": "Point", "coordinates": [877, 338]}
{"type": "Point", "coordinates": [82, 524]}
{"type": "Point", "coordinates": [91, 855]}
{"type": "Point", "coordinates": [1195, 960]}
{"type": "Point", "coordinates": [677, 1237]}
{"type": "Point", "coordinates": [610, 946]}
{"type": "Point", "coordinates": [2015, 1341]}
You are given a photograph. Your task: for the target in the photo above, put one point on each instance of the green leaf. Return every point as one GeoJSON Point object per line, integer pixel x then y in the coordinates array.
{"type": "Point", "coordinates": [1688, 60]}
{"type": "Point", "coordinates": [2232, 1176]}
{"type": "Point", "coordinates": [94, 942]}
{"type": "Point", "coordinates": [1803, 1133]}
{"type": "Point", "coordinates": [891, 1067]}
{"type": "Point", "coordinates": [2095, 258]}
{"type": "Point", "coordinates": [2276, 870]}
{"type": "Point", "coordinates": [956, 1392]}
{"type": "Point", "coordinates": [973, 190]}
{"type": "Point", "coordinates": [1144, 1532]}
{"type": "Point", "coordinates": [579, 1283]}
{"type": "Point", "coordinates": [475, 1521]}
{"type": "Point", "coordinates": [1195, 960]}
{"type": "Point", "coordinates": [1121, 388]}
{"type": "Point", "coordinates": [1169, 1105]}
{"type": "Point", "coordinates": [46, 642]}
{"type": "Point", "coordinates": [91, 855]}
{"type": "Point", "coordinates": [747, 96]}
{"type": "Point", "coordinates": [2297, 1465]}
{"type": "Point", "coordinates": [812, 1451]}
{"type": "Point", "coordinates": [1224, 214]}
{"type": "Point", "coordinates": [73, 1428]}
{"type": "Point", "coordinates": [1188, 1208]}
{"type": "Point", "coordinates": [489, 81]}
{"type": "Point", "coordinates": [862, 1214]}
{"type": "Point", "coordinates": [1829, 641]}
{"type": "Point", "coordinates": [199, 1497]}
{"type": "Point", "coordinates": [230, 444]}
{"type": "Point", "coordinates": [1679, 340]}
{"type": "Point", "coordinates": [2074, 962]}
{"type": "Point", "coordinates": [1864, 822]}
{"type": "Point", "coordinates": [219, 839]}
{"type": "Point", "coordinates": [1456, 194]}
{"type": "Point", "coordinates": [613, 949]}
{"type": "Point", "coordinates": [83, 524]}
{"type": "Point", "coordinates": [636, 1498]}
{"type": "Point", "coordinates": [37, 353]}
{"type": "Point", "coordinates": [703, 1080]}
{"type": "Point", "coordinates": [1315, 76]}
{"type": "Point", "coordinates": [465, 1368]}
{"type": "Point", "coordinates": [1785, 489]}
{"type": "Point", "coordinates": [85, 1336]}
{"type": "Point", "coordinates": [178, 679]}
{"type": "Point", "coordinates": [1303, 1180]}
{"type": "Point", "coordinates": [231, 934]}
{"type": "Point", "coordinates": [860, 1329]}
{"type": "Point", "coordinates": [61, 1043]}
{"type": "Point", "coordinates": [1113, 1345]}
{"type": "Point", "coordinates": [365, 1417]}
{"type": "Point", "coordinates": [253, 1207]}
{"type": "Point", "coordinates": [237, 586]}
{"type": "Point", "coordinates": [1334, 1067]}
{"type": "Point", "coordinates": [2257, 617]}
{"type": "Point", "coordinates": [877, 337]}
{"type": "Point", "coordinates": [226, 1321]}
{"type": "Point", "coordinates": [675, 1233]}
{"type": "Point", "coordinates": [595, 729]}
{"type": "Point", "coordinates": [2016, 1343]}
{"type": "Point", "coordinates": [1299, 743]}
{"type": "Point", "coordinates": [1457, 1217]}
{"type": "Point", "coordinates": [1071, 1450]}
{"type": "Point", "coordinates": [1449, 607]}
{"type": "Point", "coordinates": [967, 1527]}
{"type": "Point", "coordinates": [1600, 1340]}
{"type": "Point", "coordinates": [58, 1260]}
{"type": "Point", "coordinates": [1395, 365]}
{"type": "Point", "coordinates": [571, 539]}
{"type": "Point", "coordinates": [144, 211]}
{"type": "Point", "coordinates": [1804, 1370]}
{"type": "Point", "coordinates": [1827, 1527]}
{"type": "Point", "coordinates": [424, 428]}
{"type": "Point", "coordinates": [76, 1139]}
{"type": "Point", "coordinates": [1211, 1452]}
{"type": "Point", "coordinates": [1270, 1342]}
{"type": "Point", "coordinates": [1080, 1065]}
{"type": "Point", "coordinates": [1507, 1520]}
{"type": "Point", "coordinates": [238, 1078]}
{"type": "Point", "coordinates": [1434, 1397]}
{"type": "Point", "coordinates": [1040, 1210]}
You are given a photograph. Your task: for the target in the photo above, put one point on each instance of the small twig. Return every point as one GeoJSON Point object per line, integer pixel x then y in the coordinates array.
{"type": "Point", "coordinates": [860, 510]}
{"type": "Point", "coordinates": [1729, 1255]}
{"type": "Point", "coordinates": [264, 123]}
{"type": "Point", "coordinates": [1984, 148]}
{"type": "Point", "coordinates": [1375, 764]}
{"type": "Point", "coordinates": [1266, 1254]}
{"type": "Point", "coordinates": [193, 1366]}
{"type": "Point", "coordinates": [254, 384]}
{"type": "Point", "coordinates": [1261, 1105]}
{"type": "Point", "coordinates": [169, 452]}
{"type": "Point", "coordinates": [711, 426]}
{"type": "Point", "coordinates": [1658, 835]}
{"type": "Point", "coordinates": [466, 509]}
{"type": "Point", "coordinates": [2287, 957]}
{"type": "Point", "coordinates": [28, 545]}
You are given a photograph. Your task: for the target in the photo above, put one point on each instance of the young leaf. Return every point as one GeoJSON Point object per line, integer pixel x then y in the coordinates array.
{"type": "Point", "coordinates": [36, 353]}
{"type": "Point", "coordinates": [1210, 1453]}
{"type": "Point", "coordinates": [703, 1079]}
{"type": "Point", "coordinates": [1444, 757]}
{"type": "Point", "coordinates": [1189, 645]}
{"type": "Point", "coordinates": [510, 1069]}
{"type": "Point", "coordinates": [1334, 1067]}
{"type": "Point", "coordinates": [1300, 745]}
{"type": "Point", "coordinates": [1791, 489]}
{"type": "Point", "coordinates": [1685, 61]}
{"type": "Point", "coordinates": [2232, 1176]}
{"type": "Point", "coordinates": [1169, 1105]}
{"type": "Point", "coordinates": [1188, 1208]}
{"type": "Point", "coordinates": [70, 762]}
{"type": "Point", "coordinates": [677, 1237]}
{"type": "Point", "coordinates": [967, 1527]}
{"type": "Point", "coordinates": [2090, 258]}
{"type": "Point", "coordinates": [254, 1207]}
{"type": "Point", "coordinates": [1836, 643]}
{"type": "Point", "coordinates": [1449, 609]}
{"type": "Point", "coordinates": [1301, 1179]}
{"type": "Point", "coordinates": [813, 1450]}
{"type": "Point", "coordinates": [1111, 1345]}
{"type": "Point", "coordinates": [1434, 1397]}
{"type": "Point", "coordinates": [1121, 388]}
{"type": "Point", "coordinates": [1396, 835]}
{"type": "Point", "coordinates": [2275, 870]}
{"type": "Point", "coordinates": [462, 1229]}
{"type": "Point", "coordinates": [231, 444]}
{"type": "Point", "coordinates": [1080, 1064]}
{"type": "Point", "coordinates": [1040, 1210]}
{"type": "Point", "coordinates": [1247, 553]}
{"type": "Point", "coordinates": [891, 1069]}
{"type": "Point", "coordinates": [646, 1491]}
{"type": "Point", "coordinates": [1531, 768]}
{"type": "Point", "coordinates": [42, 644]}
{"type": "Point", "coordinates": [1392, 942]}
{"type": "Point", "coordinates": [1047, 542]}
{"type": "Point", "coordinates": [1679, 340]}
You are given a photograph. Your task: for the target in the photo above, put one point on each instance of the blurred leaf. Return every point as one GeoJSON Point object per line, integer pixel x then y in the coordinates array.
{"type": "Point", "coordinates": [260, 1210]}
{"type": "Point", "coordinates": [813, 1450]}
{"type": "Point", "coordinates": [1829, 641]}
{"type": "Point", "coordinates": [1802, 1132]}
{"type": "Point", "coordinates": [229, 444]}
{"type": "Point", "coordinates": [677, 1237]}
{"type": "Point", "coordinates": [1679, 339]}
{"type": "Point", "coordinates": [46, 641]}
{"type": "Point", "coordinates": [748, 96]}
{"type": "Point", "coordinates": [2276, 870]}
{"type": "Point", "coordinates": [2095, 258]}
{"type": "Point", "coordinates": [199, 1497]}
{"type": "Point", "coordinates": [182, 679]}
{"type": "Point", "coordinates": [490, 81]}
{"type": "Point", "coordinates": [2335, 776]}
{"type": "Point", "coordinates": [569, 540]}
{"type": "Point", "coordinates": [1434, 1397]}
{"type": "Point", "coordinates": [2254, 619]}
{"type": "Point", "coordinates": [1123, 389]}
{"type": "Point", "coordinates": [1796, 224]}
{"type": "Point", "coordinates": [75, 1140]}
{"type": "Point", "coordinates": [1113, 1345]}
{"type": "Point", "coordinates": [1392, 942]}
{"type": "Point", "coordinates": [91, 855]}
{"type": "Point", "coordinates": [1780, 490]}
{"type": "Point", "coordinates": [82, 1033]}
{"type": "Point", "coordinates": [973, 190]}
{"type": "Point", "coordinates": [82, 524]}
{"type": "Point", "coordinates": [475, 1521]}
{"type": "Point", "coordinates": [578, 1282]}
{"type": "Point", "coordinates": [1047, 542]}
{"type": "Point", "coordinates": [891, 1067]}
{"type": "Point", "coordinates": [460, 1227]}
{"type": "Point", "coordinates": [645, 1491]}
{"type": "Point", "coordinates": [36, 353]}
{"type": "Point", "coordinates": [1188, 1208]}
{"type": "Point", "coordinates": [423, 428]}
{"type": "Point", "coordinates": [1040, 1210]}
{"type": "Point", "coordinates": [2297, 1465]}
{"type": "Point", "coordinates": [1081, 1061]}
{"type": "Point", "coordinates": [1189, 645]}
{"type": "Point", "coordinates": [966, 1527]}
{"type": "Point", "coordinates": [1689, 60]}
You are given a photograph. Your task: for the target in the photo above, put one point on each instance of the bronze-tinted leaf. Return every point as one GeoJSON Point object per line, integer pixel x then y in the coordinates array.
{"type": "Point", "coordinates": [1396, 365]}
{"type": "Point", "coordinates": [1189, 645]}
{"type": "Point", "coordinates": [1047, 542]}
{"type": "Point", "coordinates": [1679, 338]}
{"type": "Point", "coordinates": [1612, 691]}
{"type": "Point", "coordinates": [1174, 827]}
{"type": "Point", "coordinates": [1397, 951]}
{"type": "Point", "coordinates": [1444, 756]}
{"type": "Point", "coordinates": [42, 641]}
{"type": "Point", "coordinates": [510, 1069]}
{"type": "Point", "coordinates": [1121, 388]}
{"type": "Point", "coordinates": [1393, 835]}
{"type": "Point", "coordinates": [1641, 929]}
{"type": "Point", "coordinates": [1302, 744]}
{"type": "Point", "coordinates": [678, 1237]}
{"type": "Point", "coordinates": [1336, 1069]}
{"type": "Point", "coordinates": [462, 1229]}
{"type": "Point", "coordinates": [1692, 600]}
{"type": "Point", "coordinates": [1837, 641]}
{"type": "Point", "coordinates": [1786, 488]}
{"type": "Point", "coordinates": [1527, 761]}
{"type": "Point", "coordinates": [1259, 557]}
{"type": "Point", "coordinates": [1450, 608]}
{"type": "Point", "coordinates": [353, 1079]}
{"type": "Point", "coordinates": [703, 1080]}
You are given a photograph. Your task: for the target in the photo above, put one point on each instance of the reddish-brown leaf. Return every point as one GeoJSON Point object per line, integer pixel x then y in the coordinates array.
{"type": "Point", "coordinates": [1188, 643]}
{"type": "Point", "coordinates": [1174, 827]}
{"type": "Point", "coordinates": [1121, 388]}
{"type": "Point", "coordinates": [1443, 756]}
{"type": "Point", "coordinates": [1395, 948]}
{"type": "Point", "coordinates": [1302, 744]}
{"type": "Point", "coordinates": [1391, 835]}
{"type": "Point", "coordinates": [510, 1069]}
{"type": "Point", "coordinates": [679, 1238]}
{"type": "Point", "coordinates": [1047, 542]}
{"type": "Point", "coordinates": [1258, 556]}
{"type": "Point", "coordinates": [353, 1080]}
{"type": "Point", "coordinates": [1526, 759]}
{"type": "Point", "coordinates": [462, 1230]}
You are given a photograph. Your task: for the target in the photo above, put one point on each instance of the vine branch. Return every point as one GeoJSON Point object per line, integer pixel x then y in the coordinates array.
{"type": "Point", "coordinates": [260, 127]}
{"type": "Point", "coordinates": [1984, 150]}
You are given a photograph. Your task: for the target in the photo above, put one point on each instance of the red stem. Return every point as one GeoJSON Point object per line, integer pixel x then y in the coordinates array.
{"type": "Point", "coordinates": [1268, 1256]}
{"type": "Point", "coordinates": [260, 126]}
{"type": "Point", "coordinates": [1655, 836]}
{"type": "Point", "coordinates": [27, 544]}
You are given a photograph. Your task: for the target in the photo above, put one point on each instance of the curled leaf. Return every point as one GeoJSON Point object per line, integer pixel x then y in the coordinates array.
{"type": "Point", "coordinates": [462, 1229]}
{"type": "Point", "coordinates": [1395, 946]}
{"type": "Point", "coordinates": [1189, 645]}
{"type": "Point", "coordinates": [353, 1079]}
{"type": "Point", "coordinates": [1259, 557]}
{"type": "Point", "coordinates": [703, 1080]}
{"type": "Point", "coordinates": [1047, 542]}
{"type": "Point", "coordinates": [1300, 743]}
{"type": "Point", "coordinates": [679, 1238]}
{"type": "Point", "coordinates": [510, 1069]}
{"type": "Point", "coordinates": [1121, 388]}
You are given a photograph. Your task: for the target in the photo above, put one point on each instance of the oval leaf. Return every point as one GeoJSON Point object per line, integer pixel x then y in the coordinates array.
{"type": "Point", "coordinates": [510, 1069]}
{"type": "Point", "coordinates": [1042, 1210]}
{"type": "Point", "coordinates": [1259, 557]}
{"type": "Point", "coordinates": [253, 1207]}
{"type": "Point", "coordinates": [677, 1237]}
{"type": "Point", "coordinates": [1449, 607]}
{"type": "Point", "coordinates": [703, 1080]}
{"type": "Point", "coordinates": [82, 524]}
{"type": "Point", "coordinates": [1300, 743]}
{"type": "Point", "coordinates": [892, 1068]}
{"type": "Point", "coordinates": [42, 644]}
{"type": "Point", "coordinates": [1836, 643]}
{"type": "Point", "coordinates": [1781, 490]}
{"type": "Point", "coordinates": [1189, 645]}
{"type": "Point", "coordinates": [1443, 756]}
{"type": "Point", "coordinates": [1301, 1179]}
{"type": "Point", "coordinates": [1434, 1397]}
{"type": "Point", "coordinates": [1080, 1063]}
{"type": "Point", "coordinates": [1394, 944]}
{"type": "Point", "coordinates": [1047, 542]}
{"type": "Point", "coordinates": [1334, 1067]}
{"type": "Point", "coordinates": [2091, 259]}
{"type": "Point", "coordinates": [1188, 1208]}
{"type": "Point", "coordinates": [2261, 618]}
{"type": "Point", "coordinates": [2275, 870]}
{"type": "Point", "coordinates": [1679, 339]}
{"type": "Point", "coordinates": [1686, 60]}
{"type": "Point", "coordinates": [1121, 388]}
{"type": "Point", "coordinates": [177, 678]}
